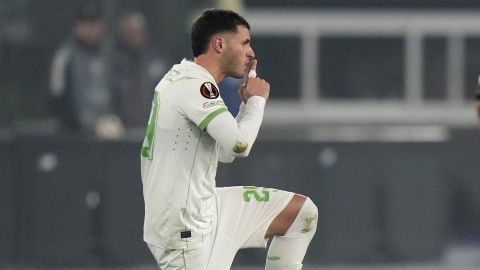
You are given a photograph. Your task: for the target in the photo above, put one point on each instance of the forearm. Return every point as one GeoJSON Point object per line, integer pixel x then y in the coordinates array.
{"type": "Point", "coordinates": [241, 112]}
{"type": "Point", "coordinates": [236, 138]}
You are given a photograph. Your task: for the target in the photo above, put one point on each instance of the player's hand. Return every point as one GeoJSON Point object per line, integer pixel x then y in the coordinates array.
{"type": "Point", "coordinates": [257, 87]}
{"type": "Point", "coordinates": [253, 86]}
{"type": "Point", "coordinates": [251, 72]}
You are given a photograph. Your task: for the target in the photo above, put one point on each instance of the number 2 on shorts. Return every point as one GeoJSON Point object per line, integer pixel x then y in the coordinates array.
{"type": "Point", "coordinates": [252, 191]}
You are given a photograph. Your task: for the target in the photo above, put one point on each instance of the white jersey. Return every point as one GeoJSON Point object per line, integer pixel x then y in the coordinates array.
{"type": "Point", "coordinates": [179, 158]}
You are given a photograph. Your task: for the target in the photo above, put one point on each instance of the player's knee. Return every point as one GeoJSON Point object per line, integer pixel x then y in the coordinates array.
{"type": "Point", "coordinates": [311, 215]}
{"type": "Point", "coordinates": [306, 221]}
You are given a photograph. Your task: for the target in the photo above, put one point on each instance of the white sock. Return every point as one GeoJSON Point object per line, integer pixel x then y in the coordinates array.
{"type": "Point", "coordinates": [288, 251]}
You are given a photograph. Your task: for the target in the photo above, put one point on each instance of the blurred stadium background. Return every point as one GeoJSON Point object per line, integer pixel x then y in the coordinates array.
{"type": "Point", "coordinates": [371, 114]}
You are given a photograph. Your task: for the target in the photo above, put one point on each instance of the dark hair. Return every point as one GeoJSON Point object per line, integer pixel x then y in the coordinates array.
{"type": "Point", "coordinates": [211, 22]}
{"type": "Point", "coordinates": [90, 11]}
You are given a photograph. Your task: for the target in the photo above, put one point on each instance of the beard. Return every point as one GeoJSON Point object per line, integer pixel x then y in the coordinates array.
{"type": "Point", "coordinates": [233, 67]}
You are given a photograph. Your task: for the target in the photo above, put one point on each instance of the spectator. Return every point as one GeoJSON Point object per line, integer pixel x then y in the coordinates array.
{"type": "Point", "coordinates": [81, 96]}
{"type": "Point", "coordinates": [136, 72]}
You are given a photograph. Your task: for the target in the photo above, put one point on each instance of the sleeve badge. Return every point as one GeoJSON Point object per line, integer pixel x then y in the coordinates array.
{"type": "Point", "coordinates": [209, 90]}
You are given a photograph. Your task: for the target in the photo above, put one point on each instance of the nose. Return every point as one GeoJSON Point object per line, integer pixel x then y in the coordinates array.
{"type": "Point", "coordinates": [250, 53]}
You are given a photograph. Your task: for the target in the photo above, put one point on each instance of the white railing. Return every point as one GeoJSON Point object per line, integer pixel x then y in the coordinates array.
{"type": "Point", "coordinates": [413, 26]}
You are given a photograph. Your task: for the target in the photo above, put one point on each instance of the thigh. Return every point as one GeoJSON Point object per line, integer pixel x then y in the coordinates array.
{"type": "Point", "coordinates": [243, 217]}
{"type": "Point", "coordinates": [222, 253]}
{"type": "Point", "coordinates": [245, 213]}
{"type": "Point", "coordinates": [182, 259]}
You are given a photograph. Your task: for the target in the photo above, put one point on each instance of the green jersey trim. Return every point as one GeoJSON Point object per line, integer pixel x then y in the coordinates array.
{"type": "Point", "coordinates": [209, 117]}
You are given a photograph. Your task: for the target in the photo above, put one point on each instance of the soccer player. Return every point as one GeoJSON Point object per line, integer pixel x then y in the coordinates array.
{"type": "Point", "coordinates": [189, 222]}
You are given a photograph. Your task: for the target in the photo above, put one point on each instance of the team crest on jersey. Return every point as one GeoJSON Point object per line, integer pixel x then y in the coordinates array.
{"type": "Point", "coordinates": [209, 90]}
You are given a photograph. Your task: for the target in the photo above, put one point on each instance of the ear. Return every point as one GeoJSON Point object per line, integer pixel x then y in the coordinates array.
{"type": "Point", "coordinates": [218, 44]}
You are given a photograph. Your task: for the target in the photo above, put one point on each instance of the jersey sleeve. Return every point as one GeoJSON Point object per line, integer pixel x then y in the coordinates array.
{"type": "Point", "coordinates": [201, 102]}
{"type": "Point", "coordinates": [236, 137]}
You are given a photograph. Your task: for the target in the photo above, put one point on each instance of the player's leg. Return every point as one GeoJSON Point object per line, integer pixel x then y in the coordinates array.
{"type": "Point", "coordinates": [292, 230]}
{"type": "Point", "coordinates": [183, 259]}
{"type": "Point", "coordinates": [282, 222]}
{"type": "Point", "coordinates": [244, 215]}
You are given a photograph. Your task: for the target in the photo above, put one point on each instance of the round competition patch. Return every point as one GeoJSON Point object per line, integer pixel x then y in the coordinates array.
{"type": "Point", "coordinates": [209, 90]}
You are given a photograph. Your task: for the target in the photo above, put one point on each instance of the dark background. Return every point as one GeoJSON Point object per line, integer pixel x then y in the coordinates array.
{"type": "Point", "coordinates": [67, 200]}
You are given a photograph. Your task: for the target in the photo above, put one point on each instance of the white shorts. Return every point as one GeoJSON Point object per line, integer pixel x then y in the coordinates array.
{"type": "Point", "coordinates": [243, 217]}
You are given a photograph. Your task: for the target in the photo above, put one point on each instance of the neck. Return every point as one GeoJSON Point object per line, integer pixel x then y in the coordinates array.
{"type": "Point", "coordinates": [211, 65]}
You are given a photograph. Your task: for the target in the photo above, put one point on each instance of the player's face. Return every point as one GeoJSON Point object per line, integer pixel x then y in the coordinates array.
{"type": "Point", "coordinates": [238, 53]}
